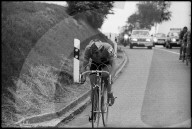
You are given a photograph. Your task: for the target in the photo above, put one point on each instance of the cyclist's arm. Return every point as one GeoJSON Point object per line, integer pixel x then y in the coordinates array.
{"type": "Point", "coordinates": [85, 59]}
{"type": "Point", "coordinates": [113, 66]}
{"type": "Point", "coordinates": [112, 61]}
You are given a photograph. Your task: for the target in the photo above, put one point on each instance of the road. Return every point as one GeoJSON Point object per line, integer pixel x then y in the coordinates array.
{"type": "Point", "coordinates": [153, 91]}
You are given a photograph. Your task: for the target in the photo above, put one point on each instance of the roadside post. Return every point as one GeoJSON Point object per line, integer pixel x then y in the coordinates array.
{"type": "Point", "coordinates": [115, 49]}
{"type": "Point", "coordinates": [76, 60]}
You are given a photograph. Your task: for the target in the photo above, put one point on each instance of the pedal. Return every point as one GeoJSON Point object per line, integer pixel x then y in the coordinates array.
{"type": "Point", "coordinates": [91, 119]}
{"type": "Point", "coordinates": [110, 99]}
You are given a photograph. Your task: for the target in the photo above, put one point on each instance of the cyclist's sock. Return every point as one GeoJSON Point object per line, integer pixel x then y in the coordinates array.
{"type": "Point", "coordinates": [111, 99]}
{"type": "Point", "coordinates": [92, 118]}
{"type": "Point", "coordinates": [110, 95]}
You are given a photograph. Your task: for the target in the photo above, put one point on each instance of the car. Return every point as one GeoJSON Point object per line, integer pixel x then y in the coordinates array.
{"type": "Point", "coordinates": [141, 38]}
{"type": "Point", "coordinates": [159, 39]}
{"type": "Point", "coordinates": [173, 39]}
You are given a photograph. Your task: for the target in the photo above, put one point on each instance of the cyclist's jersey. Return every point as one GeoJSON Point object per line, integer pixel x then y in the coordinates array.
{"type": "Point", "coordinates": [107, 54]}
{"type": "Point", "coordinates": [186, 38]}
{"type": "Point", "coordinates": [181, 35]}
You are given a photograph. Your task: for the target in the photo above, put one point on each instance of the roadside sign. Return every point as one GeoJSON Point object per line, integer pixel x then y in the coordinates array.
{"type": "Point", "coordinates": [175, 29]}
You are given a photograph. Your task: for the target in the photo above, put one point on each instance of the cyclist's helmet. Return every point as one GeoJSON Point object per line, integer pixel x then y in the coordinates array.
{"type": "Point", "coordinates": [185, 28]}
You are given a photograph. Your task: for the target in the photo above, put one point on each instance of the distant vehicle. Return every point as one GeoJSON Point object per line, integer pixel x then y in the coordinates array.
{"type": "Point", "coordinates": [173, 39]}
{"type": "Point", "coordinates": [160, 39]}
{"type": "Point", "coordinates": [175, 29]}
{"type": "Point", "coordinates": [126, 40]}
{"type": "Point", "coordinates": [141, 38]}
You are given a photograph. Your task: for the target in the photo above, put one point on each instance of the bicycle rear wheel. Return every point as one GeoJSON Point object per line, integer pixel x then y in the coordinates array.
{"type": "Point", "coordinates": [104, 105]}
{"type": "Point", "coordinates": [95, 108]}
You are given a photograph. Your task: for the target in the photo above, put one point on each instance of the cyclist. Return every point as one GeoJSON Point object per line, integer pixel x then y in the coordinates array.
{"type": "Point", "coordinates": [185, 43]}
{"type": "Point", "coordinates": [188, 47]}
{"type": "Point", "coordinates": [99, 53]}
{"type": "Point", "coordinates": [181, 35]}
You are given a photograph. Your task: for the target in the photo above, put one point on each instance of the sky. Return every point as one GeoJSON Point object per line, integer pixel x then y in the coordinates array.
{"type": "Point", "coordinates": [181, 11]}
{"type": "Point", "coordinates": [180, 17]}
{"type": "Point", "coordinates": [122, 10]}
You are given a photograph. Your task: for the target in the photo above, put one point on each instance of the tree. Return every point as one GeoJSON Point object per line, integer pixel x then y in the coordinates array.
{"type": "Point", "coordinates": [95, 11]}
{"type": "Point", "coordinates": [150, 13]}
{"type": "Point", "coordinates": [133, 18]}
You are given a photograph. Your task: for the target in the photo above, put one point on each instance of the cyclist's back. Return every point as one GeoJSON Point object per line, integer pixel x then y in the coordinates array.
{"type": "Point", "coordinates": [105, 56]}
{"type": "Point", "coordinates": [181, 35]}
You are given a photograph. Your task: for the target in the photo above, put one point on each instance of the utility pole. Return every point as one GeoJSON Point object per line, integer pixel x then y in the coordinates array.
{"type": "Point", "coordinates": [156, 28]}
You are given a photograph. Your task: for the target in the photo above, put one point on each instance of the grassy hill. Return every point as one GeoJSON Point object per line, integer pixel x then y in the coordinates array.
{"type": "Point", "coordinates": [37, 51]}
{"type": "Point", "coordinates": [23, 23]}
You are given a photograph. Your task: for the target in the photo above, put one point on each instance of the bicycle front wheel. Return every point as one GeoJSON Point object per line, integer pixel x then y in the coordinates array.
{"type": "Point", "coordinates": [104, 106]}
{"type": "Point", "coordinates": [95, 108]}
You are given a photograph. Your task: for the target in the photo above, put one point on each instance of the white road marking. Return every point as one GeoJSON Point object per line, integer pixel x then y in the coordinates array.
{"type": "Point", "coordinates": [168, 51]}
{"type": "Point", "coordinates": [130, 89]}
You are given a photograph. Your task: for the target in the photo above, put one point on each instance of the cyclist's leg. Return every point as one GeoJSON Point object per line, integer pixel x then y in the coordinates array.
{"type": "Point", "coordinates": [187, 54]}
{"type": "Point", "coordinates": [184, 50]}
{"type": "Point", "coordinates": [106, 77]}
{"type": "Point", "coordinates": [181, 47]}
{"type": "Point", "coordinates": [92, 78]}
{"type": "Point", "coordinates": [108, 84]}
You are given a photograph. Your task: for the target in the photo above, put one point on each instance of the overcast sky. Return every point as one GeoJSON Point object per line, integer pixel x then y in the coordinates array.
{"type": "Point", "coordinates": [181, 11]}
{"type": "Point", "coordinates": [122, 10]}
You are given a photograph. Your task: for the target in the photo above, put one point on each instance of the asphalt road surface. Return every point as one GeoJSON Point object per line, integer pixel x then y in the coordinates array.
{"type": "Point", "coordinates": [154, 90]}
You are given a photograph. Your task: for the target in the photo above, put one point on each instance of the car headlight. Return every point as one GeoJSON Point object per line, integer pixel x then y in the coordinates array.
{"type": "Point", "coordinates": [126, 36]}
{"type": "Point", "coordinates": [134, 39]}
{"type": "Point", "coordinates": [155, 40]}
{"type": "Point", "coordinates": [148, 40]}
{"type": "Point", "coordinates": [173, 40]}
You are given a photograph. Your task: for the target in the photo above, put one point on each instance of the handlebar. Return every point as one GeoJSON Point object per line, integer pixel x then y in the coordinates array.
{"type": "Point", "coordinates": [95, 71]}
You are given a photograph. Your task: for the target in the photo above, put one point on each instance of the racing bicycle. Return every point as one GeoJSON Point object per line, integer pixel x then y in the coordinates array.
{"type": "Point", "coordinates": [99, 98]}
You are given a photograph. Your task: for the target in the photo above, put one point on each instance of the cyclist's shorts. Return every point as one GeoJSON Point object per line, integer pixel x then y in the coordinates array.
{"type": "Point", "coordinates": [98, 66]}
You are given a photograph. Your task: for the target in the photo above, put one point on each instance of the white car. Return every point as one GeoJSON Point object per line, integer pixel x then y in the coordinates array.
{"type": "Point", "coordinates": [141, 38]}
{"type": "Point", "coordinates": [173, 40]}
{"type": "Point", "coordinates": [160, 39]}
